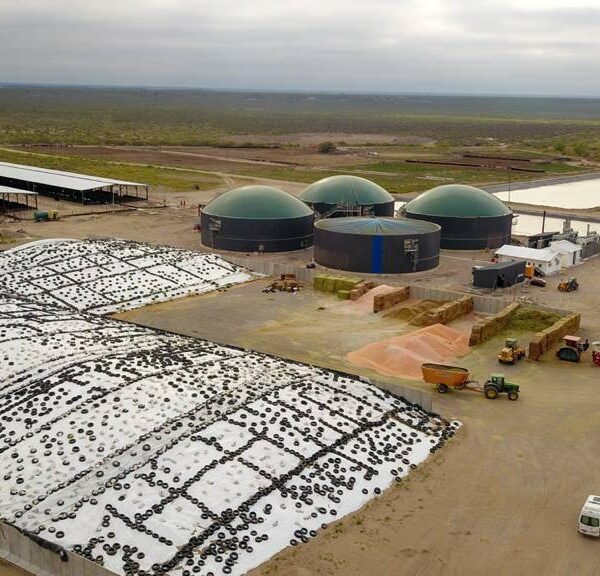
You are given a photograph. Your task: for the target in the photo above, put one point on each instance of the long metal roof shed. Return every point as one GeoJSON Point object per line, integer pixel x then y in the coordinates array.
{"type": "Point", "coordinates": [9, 190]}
{"type": "Point", "coordinates": [7, 197]}
{"type": "Point", "coordinates": [58, 178]}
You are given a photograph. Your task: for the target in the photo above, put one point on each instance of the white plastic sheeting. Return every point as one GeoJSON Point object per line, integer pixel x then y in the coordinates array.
{"type": "Point", "coordinates": [106, 276]}
{"type": "Point", "coordinates": [151, 453]}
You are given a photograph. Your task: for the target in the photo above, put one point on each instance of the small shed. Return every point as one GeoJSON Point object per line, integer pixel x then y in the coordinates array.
{"type": "Point", "coordinates": [546, 260]}
{"type": "Point", "coordinates": [570, 253]}
{"type": "Point", "coordinates": [499, 275]}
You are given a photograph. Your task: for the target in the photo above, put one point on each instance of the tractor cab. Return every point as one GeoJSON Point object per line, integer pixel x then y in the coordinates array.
{"type": "Point", "coordinates": [572, 341]}
{"type": "Point", "coordinates": [497, 379]}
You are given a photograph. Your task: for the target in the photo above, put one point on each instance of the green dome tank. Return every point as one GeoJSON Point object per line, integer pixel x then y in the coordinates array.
{"type": "Point", "coordinates": [351, 195]}
{"type": "Point", "coordinates": [459, 201]}
{"type": "Point", "coordinates": [257, 202]}
{"type": "Point", "coordinates": [471, 218]}
{"type": "Point", "coordinates": [257, 219]}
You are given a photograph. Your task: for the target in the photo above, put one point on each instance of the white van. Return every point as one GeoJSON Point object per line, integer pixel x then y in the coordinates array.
{"type": "Point", "coordinates": [589, 519]}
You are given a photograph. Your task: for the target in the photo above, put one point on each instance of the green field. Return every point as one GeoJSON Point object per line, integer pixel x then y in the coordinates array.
{"type": "Point", "coordinates": [157, 177]}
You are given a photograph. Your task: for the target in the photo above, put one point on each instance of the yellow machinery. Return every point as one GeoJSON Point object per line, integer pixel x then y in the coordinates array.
{"type": "Point", "coordinates": [511, 353]}
{"type": "Point", "coordinates": [569, 285]}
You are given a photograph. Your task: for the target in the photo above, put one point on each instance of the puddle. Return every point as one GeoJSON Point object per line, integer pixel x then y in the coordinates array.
{"type": "Point", "coordinates": [579, 195]}
{"type": "Point", "coordinates": [529, 224]}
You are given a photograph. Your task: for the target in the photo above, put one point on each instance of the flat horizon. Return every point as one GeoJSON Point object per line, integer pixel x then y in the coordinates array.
{"type": "Point", "coordinates": [99, 86]}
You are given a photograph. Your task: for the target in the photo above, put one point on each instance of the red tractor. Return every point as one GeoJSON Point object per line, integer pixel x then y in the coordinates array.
{"type": "Point", "coordinates": [596, 353]}
{"type": "Point", "coordinates": [573, 349]}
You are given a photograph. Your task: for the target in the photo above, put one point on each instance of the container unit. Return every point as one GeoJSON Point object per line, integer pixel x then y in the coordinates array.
{"type": "Point", "coordinates": [470, 218]}
{"type": "Point", "coordinates": [346, 196]}
{"type": "Point", "coordinates": [257, 219]}
{"type": "Point", "coordinates": [377, 245]}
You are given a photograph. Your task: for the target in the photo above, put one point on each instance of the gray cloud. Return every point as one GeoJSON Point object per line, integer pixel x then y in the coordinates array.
{"type": "Point", "coordinates": [482, 46]}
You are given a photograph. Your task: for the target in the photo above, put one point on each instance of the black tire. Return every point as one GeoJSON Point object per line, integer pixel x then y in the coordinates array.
{"type": "Point", "coordinates": [491, 393]}
{"type": "Point", "coordinates": [442, 388]}
{"type": "Point", "coordinates": [513, 396]}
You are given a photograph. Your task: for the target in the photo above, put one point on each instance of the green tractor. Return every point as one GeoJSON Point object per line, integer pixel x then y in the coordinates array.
{"type": "Point", "coordinates": [497, 385]}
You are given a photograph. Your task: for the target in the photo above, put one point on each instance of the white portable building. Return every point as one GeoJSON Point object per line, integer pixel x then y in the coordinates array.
{"type": "Point", "coordinates": [545, 259]}
{"type": "Point", "coordinates": [570, 253]}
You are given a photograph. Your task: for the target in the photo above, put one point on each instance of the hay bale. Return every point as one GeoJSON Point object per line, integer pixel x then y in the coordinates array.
{"type": "Point", "coordinates": [329, 284]}
{"type": "Point", "coordinates": [318, 282]}
{"type": "Point", "coordinates": [343, 294]}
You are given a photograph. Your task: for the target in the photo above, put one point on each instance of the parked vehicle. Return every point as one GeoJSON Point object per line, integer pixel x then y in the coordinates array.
{"type": "Point", "coordinates": [569, 285]}
{"type": "Point", "coordinates": [539, 282]}
{"type": "Point", "coordinates": [596, 353]}
{"type": "Point", "coordinates": [589, 517]}
{"type": "Point", "coordinates": [573, 348]}
{"type": "Point", "coordinates": [511, 353]}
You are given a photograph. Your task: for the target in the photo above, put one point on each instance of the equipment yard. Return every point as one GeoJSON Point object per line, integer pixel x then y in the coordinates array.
{"type": "Point", "coordinates": [487, 498]}
{"type": "Point", "coordinates": [264, 353]}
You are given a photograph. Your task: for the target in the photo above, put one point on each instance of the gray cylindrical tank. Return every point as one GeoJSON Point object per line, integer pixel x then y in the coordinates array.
{"type": "Point", "coordinates": [377, 245]}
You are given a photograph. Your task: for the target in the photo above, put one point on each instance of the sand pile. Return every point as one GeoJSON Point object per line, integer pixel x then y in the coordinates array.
{"type": "Point", "coordinates": [402, 356]}
{"type": "Point", "coordinates": [364, 305]}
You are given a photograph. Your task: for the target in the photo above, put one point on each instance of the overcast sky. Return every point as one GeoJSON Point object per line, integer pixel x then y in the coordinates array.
{"type": "Point", "coordinates": [457, 46]}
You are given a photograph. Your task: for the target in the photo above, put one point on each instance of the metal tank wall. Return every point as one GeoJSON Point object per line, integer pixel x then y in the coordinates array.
{"type": "Point", "coordinates": [256, 235]}
{"type": "Point", "coordinates": [468, 233]}
{"type": "Point", "coordinates": [375, 254]}
{"type": "Point", "coordinates": [383, 209]}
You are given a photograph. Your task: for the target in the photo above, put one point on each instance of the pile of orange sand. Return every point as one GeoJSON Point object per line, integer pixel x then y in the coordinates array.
{"type": "Point", "coordinates": [402, 356]}
{"type": "Point", "coordinates": [364, 305]}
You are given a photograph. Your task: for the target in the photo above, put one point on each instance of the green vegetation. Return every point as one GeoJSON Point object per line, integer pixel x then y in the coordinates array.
{"type": "Point", "coordinates": [168, 178]}
{"type": "Point", "coordinates": [537, 128]}
{"type": "Point", "coordinates": [531, 320]}
{"type": "Point", "coordinates": [327, 147]}
{"type": "Point", "coordinates": [71, 115]}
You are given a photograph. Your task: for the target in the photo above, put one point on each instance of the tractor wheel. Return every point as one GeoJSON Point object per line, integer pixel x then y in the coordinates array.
{"type": "Point", "coordinates": [442, 388]}
{"type": "Point", "coordinates": [513, 395]}
{"type": "Point", "coordinates": [491, 393]}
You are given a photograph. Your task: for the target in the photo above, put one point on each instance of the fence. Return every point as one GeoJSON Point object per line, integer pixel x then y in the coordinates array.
{"type": "Point", "coordinates": [591, 249]}
{"type": "Point", "coordinates": [20, 550]}
{"type": "Point", "coordinates": [305, 275]}
{"type": "Point", "coordinates": [481, 304]}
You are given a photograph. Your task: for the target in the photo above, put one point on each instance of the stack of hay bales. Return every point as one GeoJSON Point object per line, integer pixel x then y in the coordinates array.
{"type": "Point", "coordinates": [340, 285]}
{"type": "Point", "coordinates": [488, 327]}
{"type": "Point", "coordinates": [408, 313]}
{"type": "Point", "coordinates": [546, 339]}
{"type": "Point", "coordinates": [361, 289]}
{"type": "Point", "coordinates": [446, 312]}
{"type": "Point", "coordinates": [385, 301]}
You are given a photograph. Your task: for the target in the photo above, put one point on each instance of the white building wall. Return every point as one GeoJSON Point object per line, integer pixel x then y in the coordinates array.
{"type": "Point", "coordinates": [568, 258]}
{"type": "Point", "coordinates": [547, 267]}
